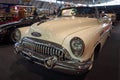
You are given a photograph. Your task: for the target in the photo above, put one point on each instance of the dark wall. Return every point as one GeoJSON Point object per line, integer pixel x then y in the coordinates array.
{"type": "Point", "coordinates": [9, 1]}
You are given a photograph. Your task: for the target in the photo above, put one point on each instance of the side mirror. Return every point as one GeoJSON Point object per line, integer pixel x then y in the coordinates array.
{"type": "Point", "coordinates": [105, 19]}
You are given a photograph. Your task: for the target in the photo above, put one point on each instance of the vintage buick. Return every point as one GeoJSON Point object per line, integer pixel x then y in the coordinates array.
{"type": "Point", "coordinates": [69, 43]}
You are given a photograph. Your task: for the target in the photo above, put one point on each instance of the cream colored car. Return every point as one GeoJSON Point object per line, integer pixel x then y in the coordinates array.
{"type": "Point", "coordinates": [69, 43]}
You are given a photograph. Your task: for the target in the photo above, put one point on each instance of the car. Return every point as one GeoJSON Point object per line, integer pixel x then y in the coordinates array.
{"type": "Point", "coordinates": [8, 28]}
{"type": "Point", "coordinates": [19, 16]}
{"type": "Point", "coordinates": [4, 20]}
{"type": "Point", "coordinates": [69, 43]}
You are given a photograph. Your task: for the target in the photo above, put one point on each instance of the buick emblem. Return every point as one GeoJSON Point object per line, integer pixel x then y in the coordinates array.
{"type": "Point", "coordinates": [36, 34]}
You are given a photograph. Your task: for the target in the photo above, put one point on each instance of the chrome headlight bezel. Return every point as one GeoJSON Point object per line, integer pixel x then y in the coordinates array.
{"type": "Point", "coordinates": [77, 46]}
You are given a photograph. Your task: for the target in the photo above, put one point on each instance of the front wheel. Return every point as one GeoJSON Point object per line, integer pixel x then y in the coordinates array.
{"type": "Point", "coordinates": [95, 55]}
{"type": "Point", "coordinates": [15, 35]}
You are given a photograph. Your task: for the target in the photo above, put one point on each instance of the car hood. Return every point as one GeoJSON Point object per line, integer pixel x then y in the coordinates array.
{"type": "Point", "coordinates": [58, 29]}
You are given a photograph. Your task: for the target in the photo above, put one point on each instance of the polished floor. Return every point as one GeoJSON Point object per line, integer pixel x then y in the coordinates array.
{"type": "Point", "coordinates": [107, 66]}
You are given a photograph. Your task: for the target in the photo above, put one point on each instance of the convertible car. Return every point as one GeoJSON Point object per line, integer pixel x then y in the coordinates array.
{"type": "Point", "coordinates": [69, 43]}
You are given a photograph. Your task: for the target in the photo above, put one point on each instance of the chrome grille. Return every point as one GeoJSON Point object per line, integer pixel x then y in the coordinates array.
{"type": "Point", "coordinates": [44, 48]}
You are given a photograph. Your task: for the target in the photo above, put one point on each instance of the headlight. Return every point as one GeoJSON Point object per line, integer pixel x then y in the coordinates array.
{"type": "Point", "coordinates": [77, 46]}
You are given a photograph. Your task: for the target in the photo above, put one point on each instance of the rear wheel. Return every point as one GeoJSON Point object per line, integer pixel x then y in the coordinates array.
{"type": "Point", "coordinates": [15, 35]}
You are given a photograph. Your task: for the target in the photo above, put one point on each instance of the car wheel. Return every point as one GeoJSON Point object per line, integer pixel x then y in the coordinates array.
{"type": "Point", "coordinates": [95, 56]}
{"type": "Point", "coordinates": [15, 36]}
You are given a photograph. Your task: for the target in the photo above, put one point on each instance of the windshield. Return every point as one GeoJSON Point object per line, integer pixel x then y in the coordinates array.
{"type": "Point", "coordinates": [79, 12]}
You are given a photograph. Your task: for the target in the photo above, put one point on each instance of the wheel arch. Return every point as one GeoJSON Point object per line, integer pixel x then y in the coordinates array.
{"type": "Point", "coordinates": [97, 49]}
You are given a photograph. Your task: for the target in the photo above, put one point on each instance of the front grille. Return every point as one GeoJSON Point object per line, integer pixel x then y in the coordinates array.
{"type": "Point", "coordinates": [43, 47]}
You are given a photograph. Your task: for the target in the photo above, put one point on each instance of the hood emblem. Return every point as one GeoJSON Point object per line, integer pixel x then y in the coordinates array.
{"type": "Point", "coordinates": [36, 34]}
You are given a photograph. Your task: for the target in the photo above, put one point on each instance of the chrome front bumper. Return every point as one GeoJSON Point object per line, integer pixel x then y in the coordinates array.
{"type": "Point", "coordinates": [66, 66]}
